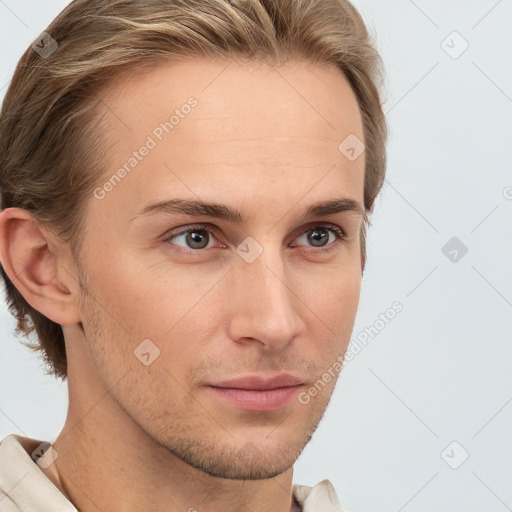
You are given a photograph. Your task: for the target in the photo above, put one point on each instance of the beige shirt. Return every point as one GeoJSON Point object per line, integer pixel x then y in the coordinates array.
{"type": "Point", "coordinates": [25, 488]}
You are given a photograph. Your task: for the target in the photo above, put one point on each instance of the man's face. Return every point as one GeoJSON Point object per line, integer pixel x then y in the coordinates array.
{"type": "Point", "coordinates": [261, 298]}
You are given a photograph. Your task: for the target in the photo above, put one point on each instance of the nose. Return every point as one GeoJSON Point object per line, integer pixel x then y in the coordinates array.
{"type": "Point", "coordinates": [264, 307]}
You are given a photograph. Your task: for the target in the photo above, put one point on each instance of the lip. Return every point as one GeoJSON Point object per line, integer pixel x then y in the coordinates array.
{"type": "Point", "coordinates": [257, 382]}
{"type": "Point", "coordinates": [256, 393]}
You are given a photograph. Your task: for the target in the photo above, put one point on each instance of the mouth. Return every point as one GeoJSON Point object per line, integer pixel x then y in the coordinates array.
{"type": "Point", "coordinates": [256, 393]}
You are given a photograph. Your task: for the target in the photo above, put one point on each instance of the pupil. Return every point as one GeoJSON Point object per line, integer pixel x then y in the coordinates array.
{"type": "Point", "coordinates": [318, 232]}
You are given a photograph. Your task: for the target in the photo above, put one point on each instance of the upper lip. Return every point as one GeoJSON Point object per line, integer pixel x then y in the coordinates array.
{"type": "Point", "coordinates": [258, 382]}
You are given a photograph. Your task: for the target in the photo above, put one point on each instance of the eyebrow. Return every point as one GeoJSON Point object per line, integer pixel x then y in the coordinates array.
{"type": "Point", "coordinates": [225, 212]}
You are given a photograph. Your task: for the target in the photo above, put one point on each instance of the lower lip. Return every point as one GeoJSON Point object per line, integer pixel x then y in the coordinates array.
{"type": "Point", "coordinates": [257, 400]}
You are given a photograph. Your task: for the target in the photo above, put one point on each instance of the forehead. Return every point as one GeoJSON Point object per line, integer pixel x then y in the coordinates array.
{"type": "Point", "coordinates": [236, 122]}
{"type": "Point", "coordinates": [299, 99]}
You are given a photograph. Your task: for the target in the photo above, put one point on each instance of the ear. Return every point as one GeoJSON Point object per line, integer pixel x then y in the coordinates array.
{"type": "Point", "coordinates": [39, 265]}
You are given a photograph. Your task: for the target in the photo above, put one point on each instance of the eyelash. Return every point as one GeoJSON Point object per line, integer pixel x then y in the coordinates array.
{"type": "Point", "coordinates": [338, 232]}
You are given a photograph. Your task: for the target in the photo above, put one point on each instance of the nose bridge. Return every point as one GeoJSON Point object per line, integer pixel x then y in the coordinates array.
{"type": "Point", "coordinates": [265, 307]}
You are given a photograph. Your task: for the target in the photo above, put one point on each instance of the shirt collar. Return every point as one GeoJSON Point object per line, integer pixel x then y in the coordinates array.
{"type": "Point", "coordinates": [23, 483]}
{"type": "Point", "coordinates": [320, 498]}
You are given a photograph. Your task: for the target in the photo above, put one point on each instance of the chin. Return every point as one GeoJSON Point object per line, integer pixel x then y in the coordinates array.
{"type": "Point", "coordinates": [247, 463]}
{"type": "Point", "coordinates": [248, 460]}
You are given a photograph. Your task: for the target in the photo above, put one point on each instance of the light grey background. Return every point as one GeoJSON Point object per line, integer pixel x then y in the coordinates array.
{"type": "Point", "coordinates": [440, 372]}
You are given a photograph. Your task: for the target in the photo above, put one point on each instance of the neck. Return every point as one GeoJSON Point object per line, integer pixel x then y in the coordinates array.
{"type": "Point", "coordinates": [107, 462]}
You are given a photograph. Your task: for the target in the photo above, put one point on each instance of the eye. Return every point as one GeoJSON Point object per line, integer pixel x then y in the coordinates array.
{"type": "Point", "coordinates": [319, 235]}
{"type": "Point", "coordinates": [196, 238]}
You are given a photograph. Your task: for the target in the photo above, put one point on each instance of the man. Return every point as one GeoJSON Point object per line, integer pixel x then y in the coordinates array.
{"type": "Point", "coordinates": [185, 190]}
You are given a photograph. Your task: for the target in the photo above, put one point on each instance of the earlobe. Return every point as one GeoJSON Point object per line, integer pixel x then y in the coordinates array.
{"type": "Point", "coordinates": [41, 270]}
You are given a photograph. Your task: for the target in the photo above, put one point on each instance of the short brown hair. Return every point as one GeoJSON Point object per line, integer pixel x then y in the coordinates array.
{"type": "Point", "coordinates": [51, 151]}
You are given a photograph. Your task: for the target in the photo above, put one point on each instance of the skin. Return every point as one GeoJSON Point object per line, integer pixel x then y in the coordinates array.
{"type": "Point", "coordinates": [264, 141]}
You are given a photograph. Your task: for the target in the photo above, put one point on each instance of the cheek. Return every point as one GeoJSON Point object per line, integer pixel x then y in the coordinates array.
{"type": "Point", "coordinates": [167, 305]}
{"type": "Point", "coordinates": [333, 307]}
{"type": "Point", "coordinates": [333, 295]}
{"type": "Point", "coordinates": [144, 299]}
